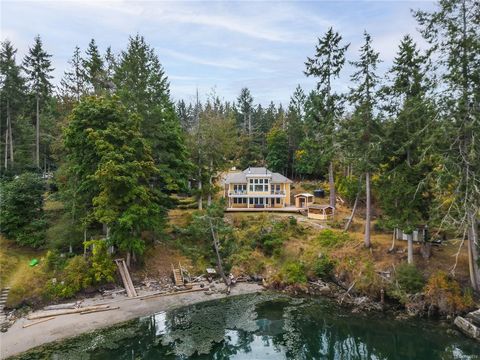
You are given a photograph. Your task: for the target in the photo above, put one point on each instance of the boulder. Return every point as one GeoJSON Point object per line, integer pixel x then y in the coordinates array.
{"type": "Point", "coordinates": [474, 317]}
{"type": "Point", "coordinates": [467, 327]}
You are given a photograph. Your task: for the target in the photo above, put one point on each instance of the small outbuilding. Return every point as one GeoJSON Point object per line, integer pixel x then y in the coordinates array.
{"type": "Point", "coordinates": [321, 212]}
{"type": "Point", "coordinates": [304, 200]}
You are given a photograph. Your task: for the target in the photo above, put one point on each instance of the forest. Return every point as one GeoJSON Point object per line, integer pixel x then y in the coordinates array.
{"type": "Point", "coordinates": [106, 153]}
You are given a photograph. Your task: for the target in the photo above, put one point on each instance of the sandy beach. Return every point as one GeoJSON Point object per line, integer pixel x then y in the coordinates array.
{"type": "Point", "coordinates": [18, 339]}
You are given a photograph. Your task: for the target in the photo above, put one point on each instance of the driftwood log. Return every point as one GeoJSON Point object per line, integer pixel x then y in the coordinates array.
{"type": "Point", "coordinates": [49, 313]}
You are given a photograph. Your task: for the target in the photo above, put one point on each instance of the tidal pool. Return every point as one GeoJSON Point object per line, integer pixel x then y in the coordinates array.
{"type": "Point", "coordinates": [266, 326]}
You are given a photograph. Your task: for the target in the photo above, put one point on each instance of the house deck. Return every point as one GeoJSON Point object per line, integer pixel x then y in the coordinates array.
{"type": "Point", "coordinates": [290, 209]}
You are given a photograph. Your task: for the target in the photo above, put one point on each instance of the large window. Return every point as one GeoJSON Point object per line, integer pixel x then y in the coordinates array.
{"type": "Point", "coordinates": [239, 200]}
{"type": "Point", "coordinates": [240, 188]}
{"type": "Point", "coordinates": [261, 185]}
{"type": "Point", "coordinates": [275, 188]}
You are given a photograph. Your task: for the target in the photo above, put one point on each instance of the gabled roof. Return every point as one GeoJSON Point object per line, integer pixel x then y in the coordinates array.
{"type": "Point", "coordinates": [304, 195]}
{"type": "Point", "coordinates": [241, 177]}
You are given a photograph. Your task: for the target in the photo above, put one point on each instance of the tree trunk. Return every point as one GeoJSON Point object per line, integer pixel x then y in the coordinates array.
{"type": "Point", "coordinates": [9, 129]}
{"type": "Point", "coordinates": [349, 222]}
{"type": "Point", "coordinates": [331, 184]}
{"type": "Point", "coordinates": [473, 251]}
{"type": "Point", "coordinates": [129, 259]}
{"type": "Point", "coordinates": [6, 148]}
{"type": "Point", "coordinates": [355, 204]}
{"type": "Point", "coordinates": [219, 259]}
{"type": "Point", "coordinates": [410, 248]}
{"type": "Point", "coordinates": [37, 138]}
{"type": "Point", "coordinates": [199, 187]}
{"type": "Point", "coordinates": [368, 214]}
{"type": "Point", "coordinates": [394, 237]}
{"type": "Point", "coordinates": [209, 199]}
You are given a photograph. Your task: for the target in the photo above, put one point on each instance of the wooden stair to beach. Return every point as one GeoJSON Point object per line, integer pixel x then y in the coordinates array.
{"type": "Point", "coordinates": [3, 299]}
{"type": "Point", "coordinates": [127, 280]}
{"type": "Point", "coordinates": [177, 275]}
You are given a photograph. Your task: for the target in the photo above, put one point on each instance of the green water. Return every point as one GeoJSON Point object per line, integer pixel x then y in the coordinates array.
{"type": "Point", "coordinates": [266, 326]}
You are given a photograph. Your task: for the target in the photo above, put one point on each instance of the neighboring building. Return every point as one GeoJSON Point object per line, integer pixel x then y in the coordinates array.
{"type": "Point", "coordinates": [257, 187]}
{"type": "Point", "coordinates": [321, 212]}
{"type": "Point", "coordinates": [304, 200]}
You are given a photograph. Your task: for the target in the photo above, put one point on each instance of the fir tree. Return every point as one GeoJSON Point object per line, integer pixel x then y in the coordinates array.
{"type": "Point", "coordinates": [37, 66]}
{"type": "Point", "coordinates": [12, 95]}
{"type": "Point", "coordinates": [453, 32]}
{"type": "Point", "coordinates": [365, 125]}
{"type": "Point", "coordinates": [326, 66]}
{"type": "Point", "coordinates": [73, 84]}
{"type": "Point", "coordinates": [143, 87]}
{"type": "Point", "coordinates": [93, 67]}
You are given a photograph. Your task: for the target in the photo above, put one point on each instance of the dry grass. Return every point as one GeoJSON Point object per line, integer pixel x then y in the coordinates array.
{"type": "Point", "coordinates": [12, 258]}
{"type": "Point", "coordinates": [159, 260]}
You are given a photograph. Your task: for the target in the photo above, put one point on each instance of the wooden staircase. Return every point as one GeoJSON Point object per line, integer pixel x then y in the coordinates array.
{"type": "Point", "coordinates": [178, 275]}
{"type": "Point", "coordinates": [127, 280]}
{"type": "Point", "coordinates": [3, 300]}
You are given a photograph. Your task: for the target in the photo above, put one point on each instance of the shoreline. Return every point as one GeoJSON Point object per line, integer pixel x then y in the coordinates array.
{"type": "Point", "coordinates": [18, 340]}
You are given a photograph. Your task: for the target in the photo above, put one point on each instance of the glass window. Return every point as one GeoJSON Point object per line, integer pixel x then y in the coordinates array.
{"type": "Point", "coordinates": [277, 200]}
{"type": "Point", "coordinates": [251, 201]}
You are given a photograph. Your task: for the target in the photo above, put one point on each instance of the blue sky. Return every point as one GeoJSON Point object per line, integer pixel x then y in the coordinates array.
{"type": "Point", "coordinates": [216, 46]}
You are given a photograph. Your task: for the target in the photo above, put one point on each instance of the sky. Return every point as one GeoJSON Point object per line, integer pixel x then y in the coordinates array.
{"type": "Point", "coordinates": [217, 47]}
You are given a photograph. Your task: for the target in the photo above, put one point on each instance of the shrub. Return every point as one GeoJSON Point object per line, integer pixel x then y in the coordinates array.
{"type": "Point", "coordinates": [324, 267]}
{"type": "Point", "coordinates": [102, 267]}
{"type": "Point", "coordinates": [271, 238]}
{"type": "Point", "coordinates": [293, 273]}
{"type": "Point", "coordinates": [22, 218]}
{"type": "Point", "coordinates": [330, 238]}
{"type": "Point", "coordinates": [292, 221]}
{"type": "Point", "coordinates": [409, 278]}
{"type": "Point", "coordinates": [368, 282]}
{"type": "Point", "coordinates": [445, 294]}
{"type": "Point", "coordinates": [74, 278]}
{"type": "Point", "coordinates": [64, 233]}
{"type": "Point", "coordinates": [54, 261]}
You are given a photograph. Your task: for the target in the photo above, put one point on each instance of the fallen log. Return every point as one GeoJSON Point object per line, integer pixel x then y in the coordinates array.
{"type": "Point", "coordinates": [61, 306]}
{"type": "Point", "coordinates": [170, 293]}
{"type": "Point", "coordinates": [99, 310]}
{"type": "Point", "coordinates": [38, 322]}
{"type": "Point", "coordinates": [45, 314]}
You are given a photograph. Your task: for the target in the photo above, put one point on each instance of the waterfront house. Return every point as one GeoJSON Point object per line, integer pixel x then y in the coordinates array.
{"type": "Point", "coordinates": [257, 188]}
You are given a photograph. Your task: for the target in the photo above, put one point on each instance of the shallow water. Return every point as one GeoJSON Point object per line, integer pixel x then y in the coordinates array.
{"type": "Point", "coordinates": [266, 326]}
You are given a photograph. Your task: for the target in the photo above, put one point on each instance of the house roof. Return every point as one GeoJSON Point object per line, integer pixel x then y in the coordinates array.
{"type": "Point", "coordinates": [321, 207]}
{"type": "Point", "coordinates": [304, 195]}
{"type": "Point", "coordinates": [241, 177]}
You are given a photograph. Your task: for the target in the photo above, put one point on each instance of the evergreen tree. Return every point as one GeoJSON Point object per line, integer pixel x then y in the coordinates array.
{"type": "Point", "coordinates": [37, 66]}
{"type": "Point", "coordinates": [403, 188]}
{"type": "Point", "coordinates": [364, 125]}
{"type": "Point", "coordinates": [143, 87]}
{"type": "Point", "coordinates": [73, 85]}
{"type": "Point", "coordinates": [295, 131]}
{"type": "Point", "coordinates": [454, 34]}
{"type": "Point", "coordinates": [245, 108]}
{"type": "Point", "coordinates": [12, 96]}
{"type": "Point", "coordinates": [277, 144]}
{"type": "Point", "coordinates": [110, 66]}
{"type": "Point", "coordinates": [112, 164]}
{"type": "Point", "coordinates": [326, 66]}
{"type": "Point", "coordinates": [94, 68]}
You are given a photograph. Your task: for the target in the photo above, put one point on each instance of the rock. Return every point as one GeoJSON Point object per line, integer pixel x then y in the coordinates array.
{"type": "Point", "coordinates": [474, 317]}
{"type": "Point", "coordinates": [467, 327]}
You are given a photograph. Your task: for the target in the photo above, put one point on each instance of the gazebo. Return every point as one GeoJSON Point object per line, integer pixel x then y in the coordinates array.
{"type": "Point", "coordinates": [321, 212]}
{"type": "Point", "coordinates": [303, 200]}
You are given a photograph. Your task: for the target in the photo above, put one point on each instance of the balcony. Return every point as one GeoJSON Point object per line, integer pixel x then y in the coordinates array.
{"type": "Point", "coordinates": [237, 192]}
